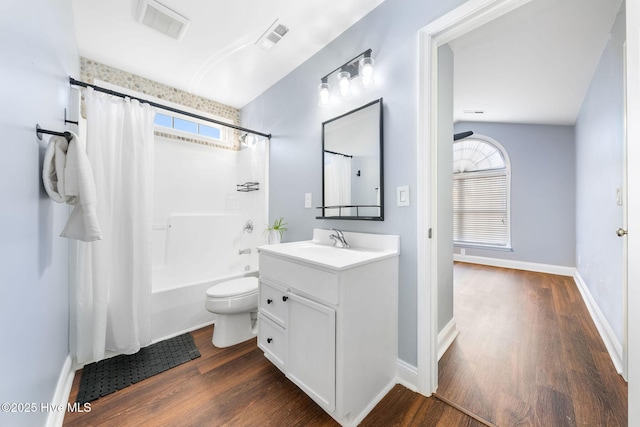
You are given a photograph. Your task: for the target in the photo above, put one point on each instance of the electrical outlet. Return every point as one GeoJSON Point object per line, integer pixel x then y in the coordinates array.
{"type": "Point", "coordinates": [586, 271]}
{"type": "Point", "coordinates": [307, 200]}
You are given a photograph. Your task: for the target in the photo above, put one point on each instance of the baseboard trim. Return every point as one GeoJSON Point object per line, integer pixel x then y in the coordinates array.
{"type": "Point", "coordinates": [446, 337]}
{"type": "Point", "coordinates": [357, 420]}
{"type": "Point", "coordinates": [611, 342]}
{"type": "Point", "coordinates": [516, 265]}
{"type": "Point", "coordinates": [61, 393]}
{"type": "Point", "coordinates": [184, 331]}
{"type": "Point", "coordinates": [407, 375]}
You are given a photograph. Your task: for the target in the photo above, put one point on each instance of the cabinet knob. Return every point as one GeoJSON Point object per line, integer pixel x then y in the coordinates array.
{"type": "Point", "coordinates": [285, 298]}
{"type": "Point", "coordinates": [269, 301]}
{"type": "Point", "coordinates": [269, 340]}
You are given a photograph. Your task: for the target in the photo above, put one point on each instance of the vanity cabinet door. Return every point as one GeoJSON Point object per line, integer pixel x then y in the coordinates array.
{"type": "Point", "coordinates": [272, 338]}
{"type": "Point", "coordinates": [311, 359]}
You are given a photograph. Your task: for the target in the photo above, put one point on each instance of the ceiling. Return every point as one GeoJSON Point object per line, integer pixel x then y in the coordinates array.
{"type": "Point", "coordinates": [532, 65]}
{"type": "Point", "coordinates": [217, 58]}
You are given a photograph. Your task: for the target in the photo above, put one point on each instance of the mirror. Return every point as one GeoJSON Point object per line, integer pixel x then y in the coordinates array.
{"type": "Point", "coordinates": [352, 165]}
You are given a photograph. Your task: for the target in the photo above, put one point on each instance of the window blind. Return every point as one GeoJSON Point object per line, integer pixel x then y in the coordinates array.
{"type": "Point", "coordinates": [480, 208]}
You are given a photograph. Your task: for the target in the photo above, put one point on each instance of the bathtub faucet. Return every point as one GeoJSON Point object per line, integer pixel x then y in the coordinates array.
{"type": "Point", "coordinates": [248, 227]}
{"type": "Point", "coordinates": [244, 251]}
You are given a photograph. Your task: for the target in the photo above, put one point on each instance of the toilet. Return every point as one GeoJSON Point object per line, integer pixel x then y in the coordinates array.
{"type": "Point", "coordinates": [235, 304]}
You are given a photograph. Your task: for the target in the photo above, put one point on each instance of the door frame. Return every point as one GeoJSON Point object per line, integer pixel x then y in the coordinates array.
{"type": "Point", "coordinates": [465, 18]}
{"type": "Point", "coordinates": [461, 20]}
{"type": "Point", "coordinates": [632, 123]}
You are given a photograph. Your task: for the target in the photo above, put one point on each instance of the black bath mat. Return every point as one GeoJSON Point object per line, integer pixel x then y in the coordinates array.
{"type": "Point", "coordinates": [109, 375]}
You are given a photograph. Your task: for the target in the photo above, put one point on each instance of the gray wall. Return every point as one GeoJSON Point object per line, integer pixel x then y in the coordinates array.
{"type": "Point", "coordinates": [542, 191]}
{"type": "Point", "coordinates": [290, 111]}
{"type": "Point", "coordinates": [39, 52]}
{"type": "Point", "coordinates": [599, 172]}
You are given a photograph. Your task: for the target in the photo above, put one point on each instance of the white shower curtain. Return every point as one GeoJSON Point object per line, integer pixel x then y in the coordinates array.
{"type": "Point", "coordinates": [337, 183]}
{"type": "Point", "coordinates": [111, 279]}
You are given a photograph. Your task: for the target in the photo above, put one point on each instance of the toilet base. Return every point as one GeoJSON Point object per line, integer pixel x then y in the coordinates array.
{"type": "Point", "coordinates": [232, 329]}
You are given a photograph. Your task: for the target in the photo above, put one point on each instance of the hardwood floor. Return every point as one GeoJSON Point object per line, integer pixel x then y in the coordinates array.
{"type": "Point", "coordinates": [527, 354]}
{"type": "Point", "coordinates": [237, 386]}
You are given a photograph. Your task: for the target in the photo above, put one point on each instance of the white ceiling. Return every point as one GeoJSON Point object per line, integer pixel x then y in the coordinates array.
{"type": "Point", "coordinates": [532, 65]}
{"type": "Point", "coordinates": [217, 58]}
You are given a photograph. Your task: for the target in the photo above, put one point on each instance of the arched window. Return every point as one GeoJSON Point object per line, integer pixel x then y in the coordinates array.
{"type": "Point", "coordinates": [481, 199]}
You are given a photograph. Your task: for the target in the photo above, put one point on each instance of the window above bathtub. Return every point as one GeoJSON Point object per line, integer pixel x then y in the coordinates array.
{"type": "Point", "coordinates": [189, 127]}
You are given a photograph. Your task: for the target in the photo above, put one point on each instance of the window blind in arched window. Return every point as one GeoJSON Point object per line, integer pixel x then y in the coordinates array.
{"type": "Point", "coordinates": [480, 193]}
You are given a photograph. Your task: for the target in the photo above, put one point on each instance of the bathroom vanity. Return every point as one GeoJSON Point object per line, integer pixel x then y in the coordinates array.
{"type": "Point", "coordinates": [328, 318]}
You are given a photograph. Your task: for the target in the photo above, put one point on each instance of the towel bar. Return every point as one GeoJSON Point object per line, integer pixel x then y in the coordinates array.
{"type": "Point", "coordinates": [40, 131]}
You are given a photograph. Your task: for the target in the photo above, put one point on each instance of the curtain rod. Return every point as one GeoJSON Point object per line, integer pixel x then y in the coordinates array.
{"type": "Point", "coordinates": [75, 82]}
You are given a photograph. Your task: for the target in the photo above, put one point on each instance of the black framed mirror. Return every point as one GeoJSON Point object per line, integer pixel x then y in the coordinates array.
{"type": "Point", "coordinates": [352, 166]}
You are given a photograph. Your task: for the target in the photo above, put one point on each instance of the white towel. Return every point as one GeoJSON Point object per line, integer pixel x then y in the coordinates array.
{"type": "Point", "coordinates": [80, 186]}
{"type": "Point", "coordinates": [68, 178]}
{"type": "Point", "coordinates": [55, 158]}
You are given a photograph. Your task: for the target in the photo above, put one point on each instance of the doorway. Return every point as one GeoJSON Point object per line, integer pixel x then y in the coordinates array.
{"type": "Point", "coordinates": [463, 19]}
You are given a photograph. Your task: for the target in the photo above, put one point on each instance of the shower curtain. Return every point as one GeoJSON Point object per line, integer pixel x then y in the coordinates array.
{"type": "Point", "coordinates": [110, 285]}
{"type": "Point", "coordinates": [337, 183]}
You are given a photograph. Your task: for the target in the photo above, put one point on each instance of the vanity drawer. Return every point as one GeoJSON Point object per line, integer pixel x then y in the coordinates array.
{"type": "Point", "coordinates": [272, 340]}
{"type": "Point", "coordinates": [273, 301]}
{"type": "Point", "coordinates": [315, 283]}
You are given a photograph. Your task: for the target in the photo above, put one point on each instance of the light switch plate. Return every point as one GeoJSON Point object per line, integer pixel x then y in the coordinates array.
{"type": "Point", "coordinates": [403, 196]}
{"type": "Point", "coordinates": [619, 196]}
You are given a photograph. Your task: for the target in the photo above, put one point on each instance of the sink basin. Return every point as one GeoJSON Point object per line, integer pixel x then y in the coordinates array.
{"type": "Point", "coordinates": [364, 248]}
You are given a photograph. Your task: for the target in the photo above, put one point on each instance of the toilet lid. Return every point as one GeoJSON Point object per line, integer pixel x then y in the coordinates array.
{"type": "Point", "coordinates": [237, 287]}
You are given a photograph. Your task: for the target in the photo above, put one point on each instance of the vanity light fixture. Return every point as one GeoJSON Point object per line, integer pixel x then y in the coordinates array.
{"type": "Point", "coordinates": [323, 91]}
{"type": "Point", "coordinates": [366, 68]}
{"type": "Point", "coordinates": [344, 83]}
{"type": "Point", "coordinates": [361, 65]}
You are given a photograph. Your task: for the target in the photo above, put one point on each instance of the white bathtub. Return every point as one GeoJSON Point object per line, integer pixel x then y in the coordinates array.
{"type": "Point", "coordinates": [191, 254]}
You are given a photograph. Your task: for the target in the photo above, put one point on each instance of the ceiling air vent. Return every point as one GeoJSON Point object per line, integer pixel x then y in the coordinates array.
{"type": "Point", "coordinates": [272, 36]}
{"type": "Point", "coordinates": [162, 19]}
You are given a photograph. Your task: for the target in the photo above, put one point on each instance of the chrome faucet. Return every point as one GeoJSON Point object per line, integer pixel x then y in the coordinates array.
{"type": "Point", "coordinates": [244, 251]}
{"type": "Point", "coordinates": [338, 237]}
{"type": "Point", "coordinates": [248, 227]}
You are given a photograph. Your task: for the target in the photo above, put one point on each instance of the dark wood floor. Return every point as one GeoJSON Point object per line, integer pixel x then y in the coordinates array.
{"type": "Point", "coordinates": [536, 360]}
{"type": "Point", "coordinates": [528, 352]}
{"type": "Point", "coordinates": [237, 386]}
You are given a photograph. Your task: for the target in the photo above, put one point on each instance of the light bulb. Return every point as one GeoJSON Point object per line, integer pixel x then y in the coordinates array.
{"type": "Point", "coordinates": [344, 83]}
{"type": "Point", "coordinates": [366, 67]}
{"type": "Point", "coordinates": [323, 92]}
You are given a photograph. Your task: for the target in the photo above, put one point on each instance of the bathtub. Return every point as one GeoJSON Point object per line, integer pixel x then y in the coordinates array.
{"type": "Point", "coordinates": [193, 252]}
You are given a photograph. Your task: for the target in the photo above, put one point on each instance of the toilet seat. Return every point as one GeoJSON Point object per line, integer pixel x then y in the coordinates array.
{"type": "Point", "coordinates": [234, 288]}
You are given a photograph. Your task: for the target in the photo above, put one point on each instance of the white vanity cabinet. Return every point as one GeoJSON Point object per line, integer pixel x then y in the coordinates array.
{"type": "Point", "coordinates": [311, 356]}
{"type": "Point", "coordinates": [331, 330]}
